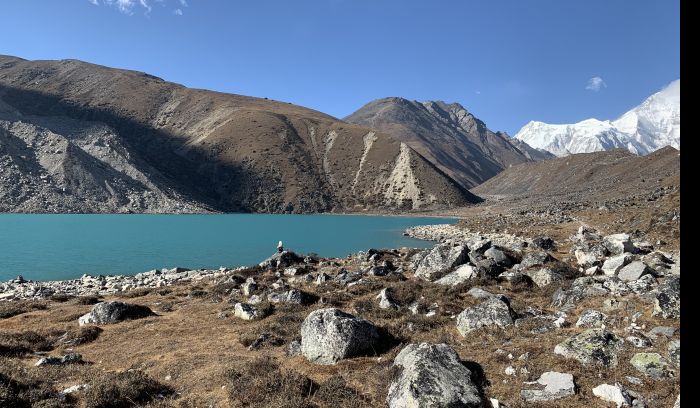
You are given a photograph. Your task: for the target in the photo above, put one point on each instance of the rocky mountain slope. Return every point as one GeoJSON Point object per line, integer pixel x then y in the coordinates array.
{"type": "Point", "coordinates": [78, 137]}
{"type": "Point", "coordinates": [612, 174]}
{"type": "Point", "coordinates": [447, 135]}
{"type": "Point", "coordinates": [648, 127]}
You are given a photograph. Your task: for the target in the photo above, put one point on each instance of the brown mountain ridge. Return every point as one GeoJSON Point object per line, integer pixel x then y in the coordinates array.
{"type": "Point", "coordinates": [79, 137]}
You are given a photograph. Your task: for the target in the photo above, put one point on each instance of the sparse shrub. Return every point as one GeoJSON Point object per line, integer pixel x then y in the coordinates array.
{"type": "Point", "coordinates": [130, 294]}
{"type": "Point", "coordinates": [13, 344]}
{"type": "Point", "coordinates": [80, 335]}
{"type": "Point", "coordinates": [61, 297]}
{"type": "Point", "coordinates": [14, 308]}
{"type": "Point", "coordinates": [88, 300]}
{"type": "Point", "coordinates": [125, 389]}
{"type": "Point", "coordinates": [335, 393]}
{"type": "Point", "coordinates": [262, 383]}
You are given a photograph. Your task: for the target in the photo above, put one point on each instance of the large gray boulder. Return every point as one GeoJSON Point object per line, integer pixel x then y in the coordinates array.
{"type": "Point", "coordinates": [462, 274]}
{"type": "Point", "coordinates": [493, 311]}
{"type": "Point", "coordinates": [441, 260]}
{"type": "Point", "coordinates": [112, 312]}
{"type": "Point", "coordinates": [330, 335]}
{"type": "Point", "coordinates": [651, 364]}
{"type": "Point", "coordinates": [612, 265]}
{"type": "Point", "coordinates": [633, 271]}
{"type": "Point", "coordinates": [431, 375]}
{"type": "Point", "coordinates": [617, 244]}
{"type": "Point", "coordinates": [593, 346]}
{"type": "Point", "coordinates": [668, 298]}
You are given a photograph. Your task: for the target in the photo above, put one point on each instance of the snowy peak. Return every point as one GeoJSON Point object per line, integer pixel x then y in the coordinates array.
{"type": "Point", "coordinates": [653, 124]}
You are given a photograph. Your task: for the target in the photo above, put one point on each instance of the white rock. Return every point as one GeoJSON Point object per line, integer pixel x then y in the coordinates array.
{"type": "Point", "coordinates": [613, 393]}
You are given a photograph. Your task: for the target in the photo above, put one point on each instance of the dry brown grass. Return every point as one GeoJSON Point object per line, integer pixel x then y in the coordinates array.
{"type": "Point", "coordinates": [14, 308]}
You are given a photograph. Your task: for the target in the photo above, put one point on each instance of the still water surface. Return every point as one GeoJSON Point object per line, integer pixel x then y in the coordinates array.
{"type": "Point", "coordinates": [49, 247]}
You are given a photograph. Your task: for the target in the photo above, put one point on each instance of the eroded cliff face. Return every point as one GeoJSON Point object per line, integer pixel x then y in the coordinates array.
{"type": "Point", "coordinates": [77, 137]}
{"type": "Point", "coordinates": [447, 135]}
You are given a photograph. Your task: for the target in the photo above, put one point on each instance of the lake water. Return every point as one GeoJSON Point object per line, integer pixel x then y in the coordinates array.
{"type": "Point", "coordinates": [50, 247]}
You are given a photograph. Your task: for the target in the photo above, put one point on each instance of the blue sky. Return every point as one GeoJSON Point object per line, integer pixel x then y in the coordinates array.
{"type": "Point", "coordinates": [508, 62]}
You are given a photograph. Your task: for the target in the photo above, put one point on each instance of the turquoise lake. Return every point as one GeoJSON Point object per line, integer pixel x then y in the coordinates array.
{"type": "Point", "coordinates": [66, 246]}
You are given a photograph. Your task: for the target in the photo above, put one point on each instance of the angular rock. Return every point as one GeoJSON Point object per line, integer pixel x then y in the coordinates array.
{"type": "Point", "coordinates": [281, 260]}
{"type": "Point", "coordinates": [593, 346]}
{"type": "Point", "coordinates": [330, 335]}
{"type": "Point", "coordinates": [643, 285]}
{"type": "Point", "coordinates": [545, 243]}
{"type": "Point", "coordinates": [386, 299]}
{"type": "Point", "coordinates": [633, 271]}
{"type": "Point", "coordinates": [245, 311]}
{"type": "Point", "coordinates": [589, 254]}
{"type": "Point", "coordinates": [556, 386]}
{"type": "Point", "coordinates": [498, 256]}
{"type": "Point", "coordinates": [479, 293]}
{"type": "Point", "coordinates": [668, 299]}
{"type": "Point", "coordinates": [617, 244]}
{"type": "Point", "coordinates": [613, 393]}
{"type": "Point", "coordinates": [461, 274]}
{"type": "Point", "coordinates": [591, 319]}
{"type": "Point", "coordinates": [651, 364]}
{"type": "Point", "coordinates": [431, 375]}
{"type": "Point", "coordinates": [492, 311]}
{"type": "Point", "coordinates": [249, 287]}
{"type": "Point", "coordinates": [544, 277]}
{"type": "Point", "coordinates": [441, 260]}
{"type": "Point", "coordinates": [677, 404]}
{"type": "Point", "coordinates": [674, 352]}
{"type": "Point", "coordinates": [639, 341]}
{"type": "Point", "coordinates": [112, 312]}
{"type": "Point", "coordinates": [612, 265]}
{"type": "Point", "coordinates": [293, 296]}
{"type": "Point", "coordinates": [535, 259]}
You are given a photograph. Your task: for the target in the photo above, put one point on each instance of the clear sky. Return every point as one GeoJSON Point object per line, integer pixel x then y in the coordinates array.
{"type": "Point", "coordinates": [508, 62]}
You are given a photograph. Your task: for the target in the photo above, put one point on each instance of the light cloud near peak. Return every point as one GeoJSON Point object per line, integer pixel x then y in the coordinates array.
{"type": "Point", "coordinates": [595, 84]}
{"type": "Point", "coordinates": [177, 12]}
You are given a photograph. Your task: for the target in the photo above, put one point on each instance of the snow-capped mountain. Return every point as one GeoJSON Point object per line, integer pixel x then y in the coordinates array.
{"type": "Point", "coordinates": [650, 126]}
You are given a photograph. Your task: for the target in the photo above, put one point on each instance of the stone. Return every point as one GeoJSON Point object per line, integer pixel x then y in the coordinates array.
{"type": "Point", "coordinates": [633, 271]}
{"type": "Point", "coordinates": [294, 271]}
{"type": "Point", "coordinates": [479, 293]}
{"type": "Point", "coordinates": [322, 278]}
{"type": "Point", "coordinates": [70, 358]}
{"type": "Point", "coordinates": [294, 348]}
{"type": "Point", "coordinates": [245, 311]}
{"type": "Point", "coordinates": [593, 346]}
{"type": "Point", "coordinates": [462, 274]}
{"type": "Point", "coordinates": [591, 319]}
{"type": "Point", "coordinates": [293, 296]}
{"type": "Point", "coordinates": [545, 243]}
{"type": "Point", "coordinates": [249, 287]}
{"type": "Point", "coordinates": [441, 260]}
{"type": "Point", "coordinates": [544, 277]}
{"type": "Point", "coordinates": [492, 311]}
{"type": "Point", "coordinates": [590, 254]}
{"type": "Point", "coordinates": [665, 331]}
{"type": "Point", "coordinates": [510, 370]}
{"type": "Point", "coordinates": [282, 259]}
{"type": "Point", "coordinates": [674, 352]}
{"type": "Point", "coordinates": [617, 244]}
{"type": "Point", "coordinates": [612, 265]}
{"type": "Point", "coordinates": [556, 386]}
{"type": "Point", "coordinates": [431, 375]}
{"type": "Point", "coordinates": [639, 341]}
{"type": "Point", "coordinates": [386, 299]}
{"type": "Point", "coordinates": [330, 335]}
{"type": "Point", "coordinates": [613, 393]}
{"type": "Point", "coordinates": [496, 403]}
{"type": "Point", "coordinates": [498, 256]}
{"type": "Point", "coordinates": [535, 259]}
{"type": "Point", "coordinates": [651, 364]}
{"type": "Point", "coordinates": [112, 312]}
{"type": "Point", "coordinates": [643, 285]}
{"type": "Point", "coordinates": [668, 298]}
{"type": "Point", "coordinates": [677, 404]}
